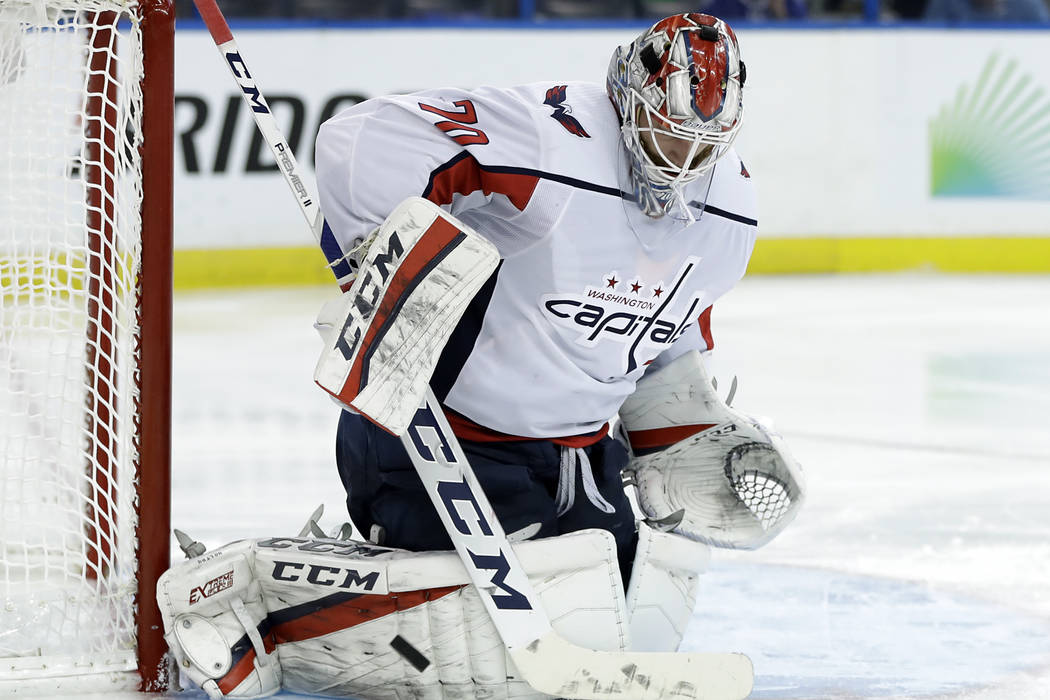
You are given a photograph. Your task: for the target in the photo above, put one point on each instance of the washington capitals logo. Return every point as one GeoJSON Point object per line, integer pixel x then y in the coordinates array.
{"type": "Point", "coordinates": [555, 99]}
{"type": "Point", "coordinates": [644, 317]}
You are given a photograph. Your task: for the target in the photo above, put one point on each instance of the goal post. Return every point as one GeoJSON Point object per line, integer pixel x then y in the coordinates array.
{"type": "Point", "coordinates": [153, 532]}
{"type": "Point", "coordinates": [86, 124]}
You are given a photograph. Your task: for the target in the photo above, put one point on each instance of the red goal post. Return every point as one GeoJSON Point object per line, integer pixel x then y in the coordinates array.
{"type": "Point", "coordinates": [86, 124]}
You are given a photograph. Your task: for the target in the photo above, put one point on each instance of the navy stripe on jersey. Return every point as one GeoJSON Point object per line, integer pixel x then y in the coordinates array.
{"type": "Point", "coordinates": [563, 179]}
{"type": "Point", "coordinates": [333, 253]}
{"type": "Point", "coordinates": [444, 168]}
{"type": "Point", "coordinates": [706, 208]}
{"type": "Point", "coordinates": [518, 196]}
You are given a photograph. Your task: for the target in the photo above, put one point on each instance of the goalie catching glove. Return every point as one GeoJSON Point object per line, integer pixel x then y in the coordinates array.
{"type": "Point", "coordinates": [703, 469]}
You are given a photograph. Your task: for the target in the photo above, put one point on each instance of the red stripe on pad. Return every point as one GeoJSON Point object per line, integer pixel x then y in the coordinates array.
{"type": "Point", "coordinates": [430, 244]}
{"type": "Point", "coordinates": [354, 612]}
{"type": "Point", "coordinates": [665, 437]}
{"type": "Point", "coordinates": [332, 619]}
{"type": "Point", "coordinates": [236, 675]}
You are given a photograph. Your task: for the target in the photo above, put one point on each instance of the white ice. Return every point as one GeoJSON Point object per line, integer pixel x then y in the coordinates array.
{"type": "Point", "coordinates": [918, 404]}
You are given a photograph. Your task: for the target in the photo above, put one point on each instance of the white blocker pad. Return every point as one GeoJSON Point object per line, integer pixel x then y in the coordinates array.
{"type": "Point", "coordinates": [335, 608]}
{"type": "Point", "coordinates": [728, 476]}
{"type": "Point", "coordinates": [415, 282]}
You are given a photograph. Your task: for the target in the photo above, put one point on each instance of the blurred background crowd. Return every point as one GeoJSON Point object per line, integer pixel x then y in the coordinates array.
{"type": "Point", "coordinates": [942, 11]}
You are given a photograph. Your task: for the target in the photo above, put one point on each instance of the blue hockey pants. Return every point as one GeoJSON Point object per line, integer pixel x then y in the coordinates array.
{"type": "Point", "coordinates": [528, 482]}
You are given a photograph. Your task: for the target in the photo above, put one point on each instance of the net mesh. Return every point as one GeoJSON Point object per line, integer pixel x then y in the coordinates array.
{"type": "Point", "coordinates": [70, 196]}
{"type": "Point", "coordinates": [766, 497]}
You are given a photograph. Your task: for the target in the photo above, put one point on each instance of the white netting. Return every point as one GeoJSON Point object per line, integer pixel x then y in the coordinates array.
{"type": "Point", "coordinates": [70, 194]}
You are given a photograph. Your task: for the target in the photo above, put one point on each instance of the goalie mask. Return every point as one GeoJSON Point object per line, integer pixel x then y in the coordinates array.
{"type": "Point", "coordinates": [677, 90]}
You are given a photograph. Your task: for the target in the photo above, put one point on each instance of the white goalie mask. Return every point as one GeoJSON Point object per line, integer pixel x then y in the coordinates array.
{"type": "Point", "coordinates": [678, 91]}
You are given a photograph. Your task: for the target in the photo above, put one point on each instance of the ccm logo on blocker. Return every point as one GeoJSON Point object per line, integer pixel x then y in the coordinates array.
{"type": "Point", "coordinates": [369, 294]}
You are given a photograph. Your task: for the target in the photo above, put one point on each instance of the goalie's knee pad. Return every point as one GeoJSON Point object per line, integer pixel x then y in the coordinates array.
{"type": "Point", "coordinates": [215, 623]}
{"type": "Point", "coordinates": [727, 476]}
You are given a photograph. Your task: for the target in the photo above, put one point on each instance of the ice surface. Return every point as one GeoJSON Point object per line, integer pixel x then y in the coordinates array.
{"type": "Point", "coordinates": [920, 566]}
{"type": "Point", "coordinates": [918, 404]}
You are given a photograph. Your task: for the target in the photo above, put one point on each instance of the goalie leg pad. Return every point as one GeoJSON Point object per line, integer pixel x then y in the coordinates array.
{"type": "Point", "coordinates": [334, 628]}
{"type": "Point", "coordinates": [215, 624]}
{"type": "Point", "coordinates": [318, 616]}
{"type": "Point", "coordinates": [663, 589]}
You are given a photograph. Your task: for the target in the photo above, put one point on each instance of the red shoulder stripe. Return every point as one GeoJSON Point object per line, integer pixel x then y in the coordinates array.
{"type": "Point", "coordinates": [465, 175]}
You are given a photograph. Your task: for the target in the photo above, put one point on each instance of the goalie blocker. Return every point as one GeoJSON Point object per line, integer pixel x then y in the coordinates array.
{"type": "Point", "coordinates": [351, 619]}
{"type": "Point", "coordinates": [384, 336]}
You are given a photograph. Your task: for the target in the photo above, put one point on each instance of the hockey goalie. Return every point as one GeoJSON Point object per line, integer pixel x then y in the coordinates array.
{"type": "Point", "coordinates": [542, 262]}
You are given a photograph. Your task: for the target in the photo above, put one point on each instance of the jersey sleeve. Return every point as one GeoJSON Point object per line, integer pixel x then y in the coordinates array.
{"type": "Point", "coordinates": [462, 150]}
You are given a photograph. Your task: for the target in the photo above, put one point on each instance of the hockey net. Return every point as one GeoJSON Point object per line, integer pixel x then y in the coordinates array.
{"type": "Point", "coordinates": [84, 352]}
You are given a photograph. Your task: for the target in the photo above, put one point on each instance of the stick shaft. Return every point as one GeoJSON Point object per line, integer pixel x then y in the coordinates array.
{"type": "Point", "coordinates": [305, 196]}
{"type": "Point", "coordinates": [471, 522]}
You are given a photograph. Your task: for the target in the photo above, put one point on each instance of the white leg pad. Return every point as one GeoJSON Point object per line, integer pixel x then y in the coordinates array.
{"type": "Point", "coordinates": [319, 616]}
{"type": "Point", "coordinates": [425, 598]}
{"type": "Point", "coordinates": [663, 588]}
{"type": "Point", "coordinates": [212, 608]}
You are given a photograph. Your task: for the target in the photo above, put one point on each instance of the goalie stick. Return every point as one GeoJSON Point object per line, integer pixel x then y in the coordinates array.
{"type": "Point", "coordinates": [546, 661]}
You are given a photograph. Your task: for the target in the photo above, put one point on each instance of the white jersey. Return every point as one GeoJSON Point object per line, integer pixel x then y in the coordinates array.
{"type": "Point", "coordinates": [590, 290]}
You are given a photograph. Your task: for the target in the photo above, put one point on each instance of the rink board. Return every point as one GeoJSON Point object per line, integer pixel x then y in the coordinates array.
{"type": "Point", "coordinates": [872, 149]}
